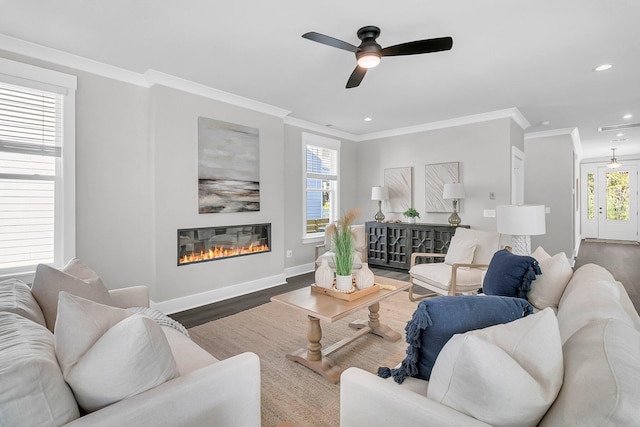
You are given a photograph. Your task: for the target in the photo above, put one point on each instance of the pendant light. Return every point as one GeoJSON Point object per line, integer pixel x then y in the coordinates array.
{"type": "Point", "coordinates": [613, 164]}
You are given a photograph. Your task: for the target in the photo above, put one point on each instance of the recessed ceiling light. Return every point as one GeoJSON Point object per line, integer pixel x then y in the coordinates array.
{"type": "Point", "coordinates": [620, 134]}
{"type": "Point", "coordinates": [367, 119]}
{"type": "Point", "coordinates": [627, 116]}
{"type": "Point", "coordinates": [603, 67]}
{"type": "Point", "coordinates": [545, 123]}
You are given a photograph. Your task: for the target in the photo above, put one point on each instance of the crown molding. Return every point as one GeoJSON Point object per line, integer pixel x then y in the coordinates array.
{"type": "Point", "coordinates": [148, 79]}
{"type": "Point", "coordinates": [571, 132]}
{"type": "Point", "coordinates": [153, 77]}
{"type": "Point", "coordinates": [76, 62]}
{"type": "Point", "coordinates": [314, 127]}
{"type": "Point", "coordinates": [512, 113]}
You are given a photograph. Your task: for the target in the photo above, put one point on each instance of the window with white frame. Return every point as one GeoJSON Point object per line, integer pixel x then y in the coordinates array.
{"type": "Point", "coordinates": [321, 183]}
{"type": "Point", "coordinates": [37, 157]}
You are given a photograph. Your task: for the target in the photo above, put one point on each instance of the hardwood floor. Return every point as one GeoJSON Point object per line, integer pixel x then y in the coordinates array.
{"type": "Point", "coordinates": [622, 260]}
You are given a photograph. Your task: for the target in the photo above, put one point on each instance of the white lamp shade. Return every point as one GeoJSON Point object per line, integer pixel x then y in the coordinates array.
{"type": "Point", "coordinates": [379, 193]}
{"type": "Point", "coordinates": [453, 191]}
{"type": "Point", "coordinates": [521, 220]}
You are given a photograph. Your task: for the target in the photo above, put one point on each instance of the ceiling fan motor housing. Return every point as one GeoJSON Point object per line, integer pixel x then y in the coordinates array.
{"type": "Point", "coordinates": [369, 46]}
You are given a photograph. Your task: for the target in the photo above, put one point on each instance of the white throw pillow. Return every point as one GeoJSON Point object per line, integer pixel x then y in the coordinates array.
{"type": "Point", "coordinates": [460, 251]}
{"type": "Point", "coordinates": [503, 375]}
{"type": "Point", "coordinates": [108, 354]}
{"type": "Point", "coordinates": [540, 254]}
{"type": "Point", "coordinates": [49, 282]}
{"type": "Point", "coordinates": [549, 286]}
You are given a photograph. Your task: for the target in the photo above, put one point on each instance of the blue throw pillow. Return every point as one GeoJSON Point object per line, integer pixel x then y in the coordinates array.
{"type": "Point", "coordinates": [437, 319]}
{"type": "Point", "coordinates": [510, 275]}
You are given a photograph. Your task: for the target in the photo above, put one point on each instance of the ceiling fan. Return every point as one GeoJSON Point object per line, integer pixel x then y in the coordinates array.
{"type": "Point", "coordinates": [369, 52]}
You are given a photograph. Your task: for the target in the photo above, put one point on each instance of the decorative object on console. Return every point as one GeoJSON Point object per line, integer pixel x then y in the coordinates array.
{"type": "Point", "coordinates": [435, 176]}
{"type": "Point", "coordinates": [379, 194]}
{"type": "Point", "coordinates": [344, 247]}
{"type": "Point", "coordinates": [613, 164]}
{"type": "Point", "coordinates": [324, 275]}
{"type": "Point", "coordinates": [453, 192]}
{"type": "Point", "coordinates": [364, 277]}
{"type": "Point", "coordinates": [411, 215]}
{"type": "Point", "coordinates": [398, 181]}
{"type": "Point", "coordinates": [521, 221]}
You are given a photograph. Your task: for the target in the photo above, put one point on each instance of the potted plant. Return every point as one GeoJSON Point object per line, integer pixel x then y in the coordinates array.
{"type": "Point", "coordinates": [343, 249]}
{"type": "Point", "coordinates": [411, 214]}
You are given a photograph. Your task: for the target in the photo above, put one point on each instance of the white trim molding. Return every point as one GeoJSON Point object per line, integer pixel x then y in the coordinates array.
{"type": "Point", "coordinates": [197, 300]}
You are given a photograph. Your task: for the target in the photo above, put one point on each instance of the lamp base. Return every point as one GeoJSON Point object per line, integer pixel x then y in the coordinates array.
{"type": "Point", "coordinates": [454, 219]}
{"type": "Point", "coordinates": [379, 216]}
{"type": "Point", "coordinates": [521, 245]}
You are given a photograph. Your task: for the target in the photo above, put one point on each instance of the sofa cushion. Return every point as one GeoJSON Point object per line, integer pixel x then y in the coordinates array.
{"type": "Point", "coordinates": [460, 251]}
{"type": "Point", "coordinates": [548, 287]}
{"type": "Point", "coordinates": [108, 354]}
{"type": "Point", "coordinates": [597, 299]}
{"type": "Point", "coordinates": [503, 375]}
{"type": "Point", "coordinates": [601, 377]}
{"type": "Point", "coordinates": [32, 389]}
{"type": "Point", "coordinates": [540, 254]}
{"type": "Point", "coordinates": [16, 297]}
{"type": "Point", "coordinates": [437, 319]}
{"type": "Point", "coordinates": [439, 274]}
{"type": "Point", "coordinates": [510, 275]}
{"type": "Point", "coordinates": [48, 282]}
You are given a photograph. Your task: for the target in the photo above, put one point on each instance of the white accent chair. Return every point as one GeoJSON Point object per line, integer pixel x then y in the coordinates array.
{"type": "Point", "coordinates": [325, 251]}
{"type": "Point", "coordinates": [468, 256]}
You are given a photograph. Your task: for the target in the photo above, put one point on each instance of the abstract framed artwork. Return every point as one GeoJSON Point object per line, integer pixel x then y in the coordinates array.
{"type": "Point", "coordinates": [228, 167]}
{"type": "Point", "coordinates": [398, 181]}
{"type": "Point", "coordinates": [435, 176]}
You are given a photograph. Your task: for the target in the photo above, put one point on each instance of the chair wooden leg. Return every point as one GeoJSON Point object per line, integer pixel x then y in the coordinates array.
{"type": "Point", "coordinates": [414, 298]}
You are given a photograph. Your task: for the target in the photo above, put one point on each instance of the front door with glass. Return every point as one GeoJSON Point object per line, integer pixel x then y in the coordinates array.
{"type": "Point", "coordinates": [611, 203]}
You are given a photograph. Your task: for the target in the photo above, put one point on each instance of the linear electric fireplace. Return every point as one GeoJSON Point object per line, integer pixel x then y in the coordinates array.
{"type": "Point", "coordinates": [213, 243]}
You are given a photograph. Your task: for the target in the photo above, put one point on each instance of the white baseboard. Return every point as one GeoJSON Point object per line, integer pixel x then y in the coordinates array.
{"type": "Point", "coordinates": [196, 300]}
{"type": "Point", "coordinates": [299, 269]}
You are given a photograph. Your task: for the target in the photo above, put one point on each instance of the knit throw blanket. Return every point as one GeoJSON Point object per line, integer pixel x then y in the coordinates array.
{"type": "Point", "coordinates": [160, 318]}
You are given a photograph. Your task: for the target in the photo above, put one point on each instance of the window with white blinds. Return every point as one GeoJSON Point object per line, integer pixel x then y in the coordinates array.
{"type": "Point", "coordinates": [321, 157]}
{"type": "Point", "coordinates": [30, 147]}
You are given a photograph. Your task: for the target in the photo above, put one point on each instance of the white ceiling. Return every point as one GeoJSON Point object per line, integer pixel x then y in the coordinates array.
{"type": "Point", "coordinates": [536, 56]}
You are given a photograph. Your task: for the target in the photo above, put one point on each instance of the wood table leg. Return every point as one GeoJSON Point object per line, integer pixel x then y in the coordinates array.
{"type": "Point", "coordinates": [313, 357]}
{"type": "Point", "coordinates": [376, 327]}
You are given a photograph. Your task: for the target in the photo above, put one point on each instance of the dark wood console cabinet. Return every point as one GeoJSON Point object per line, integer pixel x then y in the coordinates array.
{"type": "Point", "coordinates": [391, 244]}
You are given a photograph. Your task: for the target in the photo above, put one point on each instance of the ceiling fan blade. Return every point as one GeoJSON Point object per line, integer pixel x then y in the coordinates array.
{"type": "Point", "coordinates": [329, 41]}
{"type": "Point", "coordinates": [356, 77]}
{"type": "Point", "coordinates": [419, 46]}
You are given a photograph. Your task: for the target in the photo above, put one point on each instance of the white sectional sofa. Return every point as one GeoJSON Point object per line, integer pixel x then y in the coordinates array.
{"type": "Point", "coordinates": [200, 391]}
{"type": "Point", "coordinates": [599, 331]}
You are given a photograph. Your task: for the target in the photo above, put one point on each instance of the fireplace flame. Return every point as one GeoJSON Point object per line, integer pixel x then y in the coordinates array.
{"type": "Point", "coordinates": [222, 252]}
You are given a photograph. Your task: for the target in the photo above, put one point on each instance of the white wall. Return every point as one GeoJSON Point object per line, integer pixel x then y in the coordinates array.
{"type": "Point", "coordinates": [483, 150]}
{"type": "Point", "coordinates": [174, 116]}
{"type": "Point", "coordinates": [550, 181]}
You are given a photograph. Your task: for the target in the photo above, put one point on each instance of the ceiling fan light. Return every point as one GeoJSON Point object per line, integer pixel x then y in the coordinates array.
{"type": "Point", "coordinates": [368, 60]}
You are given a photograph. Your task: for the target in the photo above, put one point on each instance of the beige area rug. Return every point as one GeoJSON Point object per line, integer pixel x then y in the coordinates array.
{"type": "Point", "coordinates": [291, 392]}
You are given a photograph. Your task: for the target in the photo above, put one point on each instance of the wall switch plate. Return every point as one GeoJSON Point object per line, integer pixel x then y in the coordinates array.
{"type": "Point", "coordinates": [289, 253]}
{"type": "Point", "coordinates": [492, 195]}
{"type": "Point", "coordinates": [489, 213]}
{"type": "Point", "coordinates": [547, 210]}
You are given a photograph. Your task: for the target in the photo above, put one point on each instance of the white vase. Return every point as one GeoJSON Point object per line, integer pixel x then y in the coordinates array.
{"type": "Point", "coordinates": [324, 275]}
{"type": "Point", "coordinates": [344, 283]}
{"type": "Point", "coordinates": [364, 277]}
{"type": "Point", "coordinates": [411, 220]}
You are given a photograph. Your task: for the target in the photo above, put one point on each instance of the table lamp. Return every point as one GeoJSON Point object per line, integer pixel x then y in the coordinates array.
{"type": "Point", "coordinates": [379, 194]}
{"type": "Point", "coordinates": [454, 192]}
{"type": "Point", "coordinates": [521, 221]}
